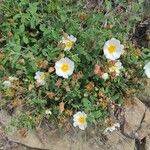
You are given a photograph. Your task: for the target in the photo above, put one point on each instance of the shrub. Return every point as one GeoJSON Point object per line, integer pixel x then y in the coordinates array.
{"type": "Point", "coordinates": [32, 43]}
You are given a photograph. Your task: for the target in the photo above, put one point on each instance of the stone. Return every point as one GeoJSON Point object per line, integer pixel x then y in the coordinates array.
{"type": "Point", "coordinates": [133, 116]}
{"type": "Point", "coordinates": [54, 140]}
{"type": "Point", "coordinates": [144, 96]}
{"type": "Point", "coordinates": [144, 129]}
{"type": "Point", "coordinates": [136, 125]}
{"type": "Point", "coordinates": [5, 118]}
{"type": "Point", "coordinates": [117, 141]}
{"type": "Point", "coordinates": [147, 143]}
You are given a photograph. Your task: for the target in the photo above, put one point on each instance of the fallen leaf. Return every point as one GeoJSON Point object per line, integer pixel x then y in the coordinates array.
{"type": "Point", "coordinates": [61, 107]}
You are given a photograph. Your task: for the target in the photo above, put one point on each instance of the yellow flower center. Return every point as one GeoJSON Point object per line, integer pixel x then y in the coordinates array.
{"type": "Point", "coordinates": [69, 44]}
{"type": "Point", "coordinates": [81, 119]}
{"type": "Point", "coordinates": [42, 77]}
{"type": "Point", "coordinates": [112, 48]}
{"type": "Point", "coordinates": [65, 67]}
{"type": "Point", "coordinates": [113, 68]}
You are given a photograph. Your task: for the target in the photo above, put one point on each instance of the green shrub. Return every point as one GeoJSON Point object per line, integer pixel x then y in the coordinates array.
{"type": "Point", "coordinates": [32, 31]}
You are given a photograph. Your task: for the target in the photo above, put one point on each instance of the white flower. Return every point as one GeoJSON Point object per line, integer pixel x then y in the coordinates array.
{"type": "Point", "coordinates": [13, 79]}
{"type": "Point", "coordinates": [7, 83]}
{"type": "Point", "coordinates": [113, 49]}
{"type": "Point", "coordinates": [147, 69]}
{"type": "Point", "coordinates": [68, 41]}
{"type": "Point", "coordinates": [112, 128]}
{"type": "Point", "coordinates": [105, 76]}
{"type": "Point", "coordinates": [80, 120]}
{"type": "Point", "coordinates": [116, 68]}
{"type": "Point", "coordinates": [64, 67]}
{"type": "Point", "coordinates": [48, 112]}
{"type": "Point", "coordinates": [40, 78]}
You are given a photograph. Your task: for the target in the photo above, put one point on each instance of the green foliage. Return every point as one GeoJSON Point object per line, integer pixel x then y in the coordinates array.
{"type": "Point", "coordinates": [32, 30]}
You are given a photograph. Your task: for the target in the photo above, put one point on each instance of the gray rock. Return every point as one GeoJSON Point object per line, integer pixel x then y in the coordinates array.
{"type": "Point", "coordinates": [147, 144]}
{"type": "Point", "coordinates": [133, 115]}
{"type": "Point", "coordinates": [144, 129]}
{"type": "Point", "coordinates": [117, 141]}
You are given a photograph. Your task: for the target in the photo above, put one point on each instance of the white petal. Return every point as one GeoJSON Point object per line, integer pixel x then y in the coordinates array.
{"type": "Point", "coordinates": [13, 78]}
{"type": "Point", "coordinates": [112, 129]}
{"type": "Point", "coordinates": [72, 38]}
{"type": "Point", "coordinates": [82, 127]}
{"type": "Point", "coordinates": [116, 55]}
{"type": "Point", "coordinates": [105, 76]}
{"type": "Point", "coordinates": [117, 125]}
{"type": "Point", "coordinates": [147, 72]}
{"type": "Point", "coordinates": [75, 124]}
{"type": "Point", "coordinates": [67, 48]}
{"type": "Point", "coordinates": [65, 76]}
{"type": "Point", "coordinates": [147, 66]}
{"type": "Point", "coordinates": [106, 130]}
{"type": "Point", "coordinates": [77, 114]}
{"type": "Point", "coordinates": [41, 82]}
{"type": "Point", "coordinates": [109, 56]}
{"type": "Point", "coordinates": [48, 112]}
{"type": "Point", "coordinates": [59, 72]}
{"type": "Point", "coordinates": [64, 40]}
{"type": "Point", "coordinates": [38, 72]}
{"type": "Point", "coordinates": [7, 83]}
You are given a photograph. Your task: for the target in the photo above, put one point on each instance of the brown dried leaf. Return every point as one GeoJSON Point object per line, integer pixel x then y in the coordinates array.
{"type": "Point", "coordinates": [50, 95]}
{"type": "Point", "coordinates": [90, 86]}
{"type": "Point", "coordinates": [61, 107]}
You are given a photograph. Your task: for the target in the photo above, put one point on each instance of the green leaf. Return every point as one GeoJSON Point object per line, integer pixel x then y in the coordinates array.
{"type": "Point", "coordinates": [90, 118]}
{"type": "Point", "coordinates": [25, 40]}
{"type": "Point", "coordinates": [75, 58]}
{"type": "Point", "coordinates": [33, 8]}
{"type": "Point", "coordinates": [22, 28]}
{"type": "Point", "coordinates": [115, 97]}
{"type": "Point", "coordinates": [108, 5]}
{"type": "Point", "coordinates": [42, 27]}
{"type": "Point", "coordinates": [97, 114]}
{"type": "Point", "coordinates": [17, 16]}
{"type": "Point", "coordinates": [87, 104]}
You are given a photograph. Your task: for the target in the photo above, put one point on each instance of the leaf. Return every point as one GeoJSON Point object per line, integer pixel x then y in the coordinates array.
{"type": "Point", "coordinates": [90, 118]}
{"type": "Point", "coordinates": [115, 97]}
{"type": "Point", "coordinates": [25, 40]}
{"type": "Point", "coordinates": [97, 114]}
{"type": "Point", "coordinates": [15, 59]}
{"type": "Point", "coordinates": [75, 58]}
{"type": "Point", "coordinates": [22, 28]}
{"type": "Point", "coordinates": [108, 5]}
{"type": "Point", "coordinates": [17, 16]}
{"type": "Point", "coordinates": [33, 8]}
{"type": "Point", "coordinates": [61, 107]}
{"type": "Point", "coordinates": [42, 27]}
{"type": "Point", "coordinates": [87, 104]}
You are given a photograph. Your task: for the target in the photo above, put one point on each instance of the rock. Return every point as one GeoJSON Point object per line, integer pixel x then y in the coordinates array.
{"type": "Point", "coordinates": [5, 118]}
{"type": "Point", "coordinates": [117, 141]}
{"type": "Point", "coordinates": [145, 95]}
{"type": "Point", "coordinates": [54, 140]}
{"type": "Point", "coordinates": [147, 143]}
{"type": "Point", "coordinates": [44, 138]}
{"type": "Point", "coordinates": [144, 129]}
{"type": "Point", "coordinates": [137, 120]}
{"type": "Point", "coordinates": [133, 115]}
{"type": "Point", "coordinates": [136, 126]}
